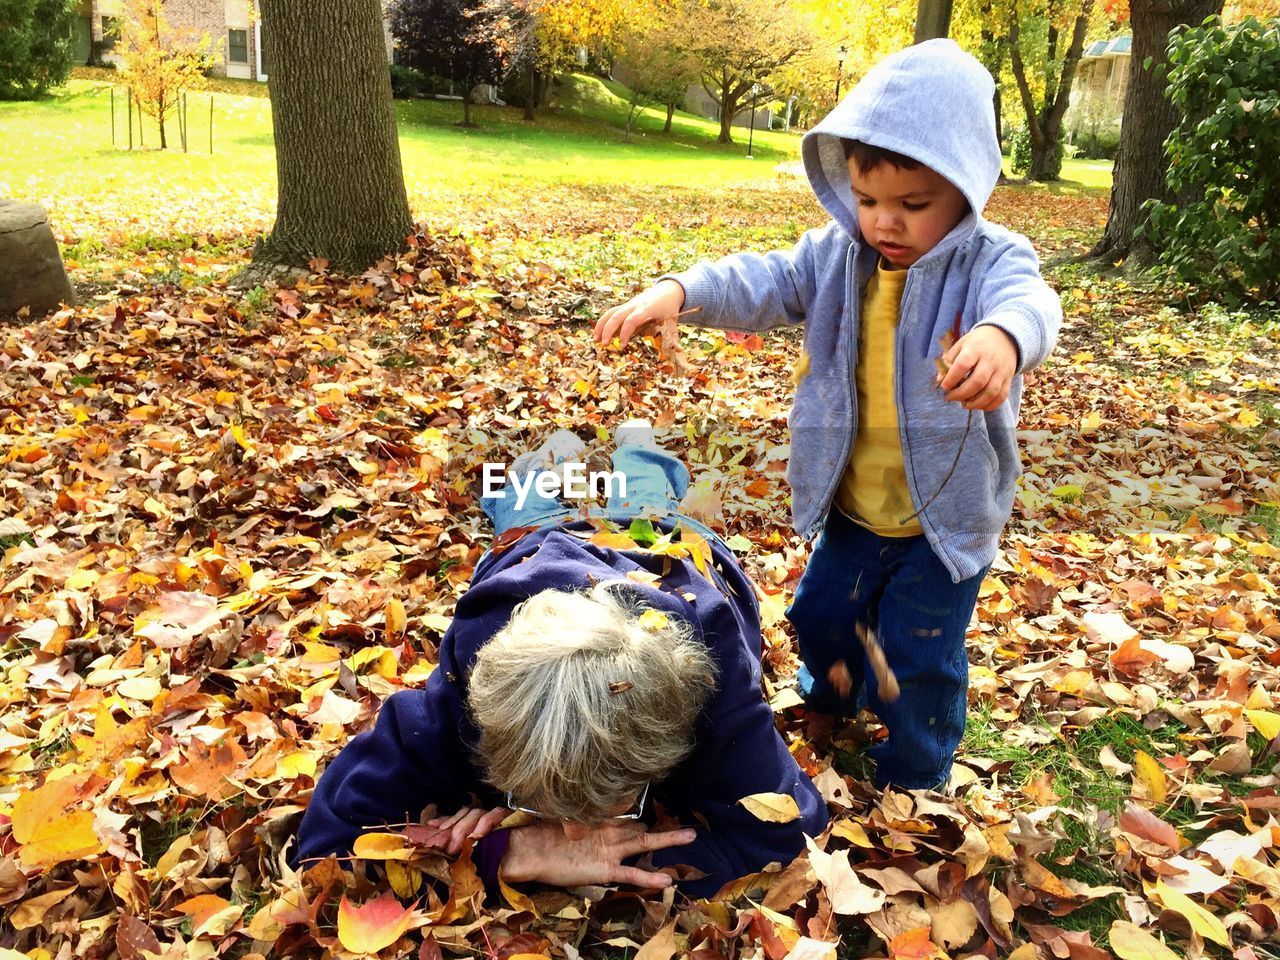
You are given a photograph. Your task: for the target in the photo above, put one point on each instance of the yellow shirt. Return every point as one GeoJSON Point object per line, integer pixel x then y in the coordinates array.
{"type": "Point", "coordinates": [873, 490]}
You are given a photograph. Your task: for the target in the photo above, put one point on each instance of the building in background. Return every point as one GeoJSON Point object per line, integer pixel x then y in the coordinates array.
{"type": "Point", "coordinates": [1104, 70]}
{"type": "Point", "coordinates": [234, 27]}
{"type": "Point", "coordinates": [1097, 98]}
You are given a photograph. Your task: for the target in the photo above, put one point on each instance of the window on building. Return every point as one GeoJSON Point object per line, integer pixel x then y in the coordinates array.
{"type": "Point", "coordinates": [237, 46]}
{"type": "Point", "coordinates": [110, 33]}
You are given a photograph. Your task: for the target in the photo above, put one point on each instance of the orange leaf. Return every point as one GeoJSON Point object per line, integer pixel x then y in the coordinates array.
{"type": "Point", "coordinates": [915, 945]}
{"type": "Point", "coordinates": [375, 925]}
{"type": "Point", "coordinates": [50, 829]}
{"type": "Point", "coordinates": [1131, 659]}
{"type": "Point", "coordinates": [205, 772]}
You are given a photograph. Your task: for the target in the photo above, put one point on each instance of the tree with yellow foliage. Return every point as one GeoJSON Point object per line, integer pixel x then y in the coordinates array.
{"type": "Point", "coordinates": [158, 61]}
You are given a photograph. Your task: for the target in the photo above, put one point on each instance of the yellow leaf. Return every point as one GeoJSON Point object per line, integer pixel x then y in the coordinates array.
{"type": "Point", "coordinates": [1247, 418]}
{"type": "Point", "coordinates": [382, 658]}
{"type": "Point", "coordinates": [374, 926]}
{"type": "Point", "coordinates": [237, 434]}
{"type": "Point", "coordinates": [404, 879]}
{"type": "Point", "coordinates": [801, 368]}
{"type": "Point", "coordinates": [48, 827]}
{"type": "Point", "coordinates": [516, 899]}
{"type": "Point", "coordinates": [772, 807]}
{"type": "Point", "coordinates": [1201, 920]}
{"type": "Point", "coordinates": [1152, 776]}
{"type": "Point", "coordinates": [1130, 942]}
{"type": "Point", "coordinates": [1068, 492]}
{"type": "Point", "coordinates": [382, 846]}
{"type": "Point", "coordinates": [396, 620]}
{"type": "Point", "coordinates": [1265, 722]}
{"type": "Point", "coordinates": [653, 620]}
{"type": "Point", "coordinates": [296, 764]}
{"type": "Point", "coordinates": [852, 831]}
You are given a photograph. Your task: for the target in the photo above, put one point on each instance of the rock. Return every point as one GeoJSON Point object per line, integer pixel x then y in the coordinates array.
{"type": "Point", "coordinates": [31, 271]}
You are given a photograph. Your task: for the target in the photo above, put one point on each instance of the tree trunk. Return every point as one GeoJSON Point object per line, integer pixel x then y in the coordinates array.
{"type": "Point", "coordinates": [1147, 121]}
{"type": "Point", "coordinates": [992, 59]}
{"type": "Point", "coordinates": [341, 193]}
{"type": "Point", "coordinates": [1044, 166]}
{"type": "Point", "coordinates": [726, 107]}
{"type": "Point", "coordinates": [671, 111]}
{"type": "Point", "coordinates": [1045, 124]}
{"type": "Point", "coordinates": [530, 91]}
{"type": "Point", "coordinates": [933, 19]}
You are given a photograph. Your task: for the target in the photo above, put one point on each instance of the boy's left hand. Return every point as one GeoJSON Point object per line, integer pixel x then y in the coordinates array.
{"type": "Point", "coordinates": [982, 364]}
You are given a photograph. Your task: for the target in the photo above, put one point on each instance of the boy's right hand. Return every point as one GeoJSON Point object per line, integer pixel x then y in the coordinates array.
{"type": "Point", "coordinates": [663, 300]}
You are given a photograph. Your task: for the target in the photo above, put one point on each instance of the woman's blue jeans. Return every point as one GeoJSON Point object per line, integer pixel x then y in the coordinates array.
{"type": "Point", "coordinates": [656, 481]}
{"type": "Point", "coordinates": [899, 588]}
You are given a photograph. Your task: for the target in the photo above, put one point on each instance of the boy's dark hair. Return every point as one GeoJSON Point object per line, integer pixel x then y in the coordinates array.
{"type": "Point", "coordinates": [868, 157]}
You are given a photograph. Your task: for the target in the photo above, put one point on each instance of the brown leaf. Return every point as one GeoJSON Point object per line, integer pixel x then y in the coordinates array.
{"type": "Point", "coordinates": [1141, 822]}
{"type": "Point", "coordinates": [661, 946]}
{"type": "Point", "coordinates": [133, 937]}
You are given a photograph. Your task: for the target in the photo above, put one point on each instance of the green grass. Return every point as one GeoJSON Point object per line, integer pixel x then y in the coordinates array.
{"type": "Point", "coordinates": [63, 145]}
{"type": "Point", "coordinates": [1079, 178]}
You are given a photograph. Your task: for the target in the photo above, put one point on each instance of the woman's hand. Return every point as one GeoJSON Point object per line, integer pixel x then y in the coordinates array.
{"type": "Point", "coordinates": [982, 364]}
{"type": "Point", "coordinates": [453, 830]}
{"type": "Point", "coordinates": [541, 851]}
{"type": "Point", "coordinates": [661, 301]}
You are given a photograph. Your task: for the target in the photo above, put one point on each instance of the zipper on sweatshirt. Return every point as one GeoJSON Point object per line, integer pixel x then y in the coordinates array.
{"type": "Point", "coordinates": [899, 399]}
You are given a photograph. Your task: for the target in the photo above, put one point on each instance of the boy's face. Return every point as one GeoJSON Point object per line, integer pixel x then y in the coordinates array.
{"type": "Point", "coordinates": [904, 213]}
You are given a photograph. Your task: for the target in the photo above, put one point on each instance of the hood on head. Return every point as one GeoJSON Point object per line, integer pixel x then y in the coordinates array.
{"type": "Point", "coordinates": [931, 102]}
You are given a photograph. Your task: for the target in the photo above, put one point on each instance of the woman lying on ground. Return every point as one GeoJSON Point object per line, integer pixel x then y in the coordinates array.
{"type": "Point", "coordinates": [585, 684]}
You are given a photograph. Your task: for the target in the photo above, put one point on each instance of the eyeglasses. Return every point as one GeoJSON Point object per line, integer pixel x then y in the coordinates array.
{"type": "Point", "coordinates": [636, 811]}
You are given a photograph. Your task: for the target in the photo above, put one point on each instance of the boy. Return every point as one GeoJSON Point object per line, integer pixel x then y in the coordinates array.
{"type": "Point", "coordinates": [908, 471]}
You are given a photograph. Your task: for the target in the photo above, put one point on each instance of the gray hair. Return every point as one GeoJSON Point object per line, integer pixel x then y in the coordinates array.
{"type": "Point", "coordinates": [584, 697]}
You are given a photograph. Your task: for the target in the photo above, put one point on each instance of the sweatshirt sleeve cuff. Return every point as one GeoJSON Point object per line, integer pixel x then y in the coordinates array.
{"type": "Point", "coordinates": [1026, 332]}
{"type": "Point", "coordinates": [487, 856]}
{"type": "Point", "coordinates": [700, 290]}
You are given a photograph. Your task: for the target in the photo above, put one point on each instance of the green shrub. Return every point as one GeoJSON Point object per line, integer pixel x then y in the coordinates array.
{"type": "Point", "coordinates": [1101, 145]}
{"type": "Point", "coordinates": [1217, 234]}
{"type": "Point", "coordinates": [35, 46]}
{"type": "Point", "coordinates": [1020, 150]}
{"type": "Point", "coordinates": [407, 83]}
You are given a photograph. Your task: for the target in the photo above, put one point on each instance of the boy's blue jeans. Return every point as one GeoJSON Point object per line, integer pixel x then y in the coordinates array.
{"type": "Point", "coordinates": [899, 588]}
{"type": "Point", "coordinates": [656, 483]}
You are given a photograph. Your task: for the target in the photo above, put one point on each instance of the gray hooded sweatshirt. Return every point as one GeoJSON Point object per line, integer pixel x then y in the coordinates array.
{"type": "Point", "coordinates": [930, 102]}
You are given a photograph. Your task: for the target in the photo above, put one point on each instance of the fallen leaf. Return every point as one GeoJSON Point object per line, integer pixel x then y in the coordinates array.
{"type": "Point", "coordinates": [374, 925]}
{"type": "Point", "coordinates": [772, 807]}
{"type": "Point", "coordinates": [1130, 942]}
{"type": "Point", "coordinates": [1201, 920]}
{"type": "Point", "coordinates": [383, 846]}
{"type": "Point", "coordinates": [661, 946]}
{"type": "Point", "coordinates": [50, 829]}
{"type": "Point", "coordinates": [1151, 776]}
{"type": "Point", "coordinates": [846, 892]}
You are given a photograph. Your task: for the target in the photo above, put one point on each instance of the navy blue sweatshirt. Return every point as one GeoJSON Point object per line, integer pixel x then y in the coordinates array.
{"type": "Point", "coordinates": [419, 751]}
